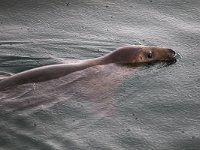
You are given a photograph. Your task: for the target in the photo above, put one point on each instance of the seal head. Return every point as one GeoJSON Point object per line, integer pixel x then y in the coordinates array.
{"type": "Point", "coordinates": [136, 54]}
{"type": "Point", "coordinates": [152, 54]}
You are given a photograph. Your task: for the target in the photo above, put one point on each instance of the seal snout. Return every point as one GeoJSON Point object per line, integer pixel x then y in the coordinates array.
{"type": "Point", "coordinates": [172, 53]}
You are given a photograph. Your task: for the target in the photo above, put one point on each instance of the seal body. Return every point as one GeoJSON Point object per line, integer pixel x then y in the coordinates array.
{"type": "Point", "coordinates": [125, 55]}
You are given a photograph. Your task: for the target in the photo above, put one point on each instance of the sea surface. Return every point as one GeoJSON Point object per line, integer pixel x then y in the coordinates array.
{"type": "Point", "coordinates": [107, 107]}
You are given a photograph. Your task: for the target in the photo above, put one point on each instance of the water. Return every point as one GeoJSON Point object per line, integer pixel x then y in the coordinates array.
{"type": "Point", "coordinates": [104, 107]}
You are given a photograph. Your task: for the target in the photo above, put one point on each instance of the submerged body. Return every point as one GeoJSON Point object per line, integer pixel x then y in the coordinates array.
{"type": "Point", "coordinates": [126, 55]}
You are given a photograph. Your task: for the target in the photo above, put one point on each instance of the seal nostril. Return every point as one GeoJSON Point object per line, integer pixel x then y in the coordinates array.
{"type": "Point", "coordinates": [171, 51]}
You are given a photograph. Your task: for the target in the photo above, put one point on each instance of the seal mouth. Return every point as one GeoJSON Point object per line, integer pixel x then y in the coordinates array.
{"type": "Point", "coordinates": [170, 56]}
{"type": "Point", "coordinates": [172, 53]}
{"type": "Point", "coordinates": [178, 56]}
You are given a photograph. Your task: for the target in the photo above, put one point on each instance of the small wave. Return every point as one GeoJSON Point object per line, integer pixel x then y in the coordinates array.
{"type": "Point", "coordinates": [13, 42]}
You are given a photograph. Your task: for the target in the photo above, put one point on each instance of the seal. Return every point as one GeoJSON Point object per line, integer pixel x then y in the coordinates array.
{"type": "Point", "coordinates": [133, 54]}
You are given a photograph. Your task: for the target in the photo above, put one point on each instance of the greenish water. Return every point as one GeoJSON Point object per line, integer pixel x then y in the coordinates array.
{"type": "Point", "coordinates": [104, 107]}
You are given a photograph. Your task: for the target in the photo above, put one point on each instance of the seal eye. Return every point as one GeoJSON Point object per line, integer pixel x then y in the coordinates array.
{"type": "Point", "coordinates": [150, 54]}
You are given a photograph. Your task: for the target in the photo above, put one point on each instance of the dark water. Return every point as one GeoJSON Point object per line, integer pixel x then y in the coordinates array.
{"type": "Point", "coordinates": [104, 107]}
